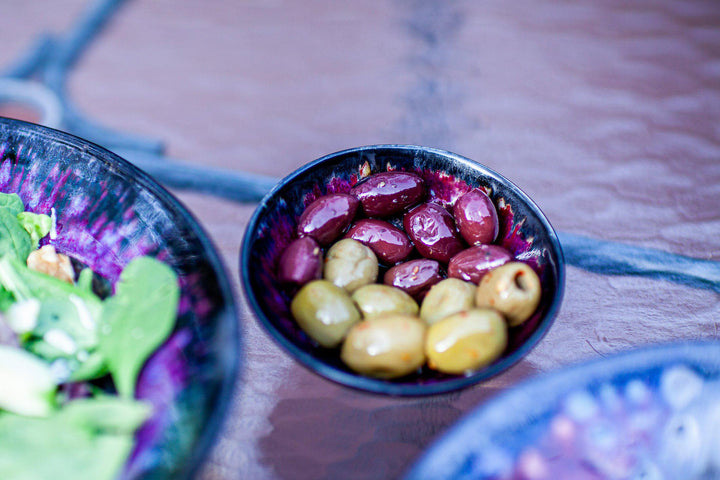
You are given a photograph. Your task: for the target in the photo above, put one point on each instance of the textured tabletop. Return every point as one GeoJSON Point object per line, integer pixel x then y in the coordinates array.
{"type": "Point", "coordinates": [606, 113]}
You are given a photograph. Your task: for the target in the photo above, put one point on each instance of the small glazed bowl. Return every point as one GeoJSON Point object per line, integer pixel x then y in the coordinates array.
{"type": "Point", "coordinates": [109, 212]}
{"type": "Point", "coordinates": [524, 231]}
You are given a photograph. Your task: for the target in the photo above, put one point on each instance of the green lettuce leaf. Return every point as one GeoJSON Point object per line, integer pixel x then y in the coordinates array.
{"type": "Point", "coordinates": [36, 224]}
{"type": "Point", "coordinates": [11, 202]}
{"type": "Point", "coordinates": [64, 329]}
{"type": "Point", "coordinates": [137, 319]}
{"type": "Point", "coordinates": [88, 439]}
{"type": "Point", "coordinates": [67, 321]}
{"type": "Point", "coordinates": [24, 284]}
{"type": "Point", "coordinates": [14, 239]}
{"type": "Point", "coordinates": [6, 299]}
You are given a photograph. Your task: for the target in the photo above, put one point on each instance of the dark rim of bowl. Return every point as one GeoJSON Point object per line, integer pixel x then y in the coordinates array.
{"type": "Point", "coordinates": [547, 389]}
{"type": "Point", "coordinates": [368, 384]}
{"type": "Point", "coordinates": [229, 315]}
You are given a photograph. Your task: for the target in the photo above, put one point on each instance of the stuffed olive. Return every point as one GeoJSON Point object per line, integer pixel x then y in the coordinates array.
{"type": "Point", "coordinates": [513, 289]}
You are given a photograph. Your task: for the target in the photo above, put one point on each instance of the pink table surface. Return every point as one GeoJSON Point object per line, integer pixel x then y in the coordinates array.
{"type": "Point", "coordinates": [606, 113]}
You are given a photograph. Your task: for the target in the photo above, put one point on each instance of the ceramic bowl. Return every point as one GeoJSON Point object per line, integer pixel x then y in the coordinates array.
{"type": "Point", "coordinates": [524, 231]}
{"type": "Point", "coordinates": [109, 212]}
{"type": "Point", "coordinates": [650, 412]}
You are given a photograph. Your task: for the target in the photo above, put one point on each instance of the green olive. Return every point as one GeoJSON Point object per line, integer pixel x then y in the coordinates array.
{"type": "Point", "coordinates": [324, 311]}
{"type": "Point", "coordinates": [376, 299]}
{"type": "Point", "coordinates": [387, 346]}
{"type": "Point", "coordinates": [466, 341]}
{"type": "Point", "coordinates": [512, 289]}
{"type": "Point", "coordinates": [446, 297]}
{"type": "Point", "coordinates": [349, 264]}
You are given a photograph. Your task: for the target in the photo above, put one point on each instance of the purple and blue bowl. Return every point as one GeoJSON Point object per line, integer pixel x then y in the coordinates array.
{"type": "Point", "coordinates": [651, 412]}
{"type": "Point", "coordinates": [524, 231]}
{"type": "Point", "coordinates": [109, 212]}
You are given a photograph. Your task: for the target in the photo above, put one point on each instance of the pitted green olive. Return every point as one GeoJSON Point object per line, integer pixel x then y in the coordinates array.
{"type": "Point", "coordinates": [513, 289]}
{"type": "Point", "coordinates": [446, 297]}
{"type": "Point", "coordinates": [388, 346]}
{"type": "Point", "coordinates": [349, 264]}
{"type": "Point", "coordinates": [324, 311]}
{"type": "Point", "coordinates": [377, 299]}
{"type": "Point", "coordinates": [466, 341]}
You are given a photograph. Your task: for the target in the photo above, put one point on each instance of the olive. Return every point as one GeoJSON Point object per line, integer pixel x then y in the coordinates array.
{"type": "Point", "coordinates": [326, 218]}
{"type": "Point", "coordinates": [350, 265]}
{"type": "Point", "coordinates": [466, 341]}
{"type": "Point", "coordinates": [432, 230]}
{"type": "Point", "coordinates": [376, 299]}
{"type": "Point", "coordinates": [476, 217]}
{"type": "Point", "coordinates": [324, 311]}
{"type": "Point", "coordinates": [387, 193]}
{"type": "Point", "coordinates": [388, 346]}
{"type": "Point", "coordinates": [414, 277]}
{"type": "Point", "coordinates": [300, 262]}
{"type": "Point", "coordinates": [388, 242]}
{"type": "Point", "coordinates": [513, 289]}
{"type": "Point", "coordinates": [446, 297]}
{"type": "Point", "coordinates": [471, 264]}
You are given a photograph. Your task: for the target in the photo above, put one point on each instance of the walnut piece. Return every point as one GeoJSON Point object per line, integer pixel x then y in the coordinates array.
{"type": "Point", "coordinates": [48, 261]}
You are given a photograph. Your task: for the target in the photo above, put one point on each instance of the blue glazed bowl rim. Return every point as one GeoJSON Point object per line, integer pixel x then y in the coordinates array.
{"type": "Point", "coordinates": [542, 391]}
{"type": "Point", "coordinates": [376, 386]}
{"type": "Point", "coordinates": [229, 314]}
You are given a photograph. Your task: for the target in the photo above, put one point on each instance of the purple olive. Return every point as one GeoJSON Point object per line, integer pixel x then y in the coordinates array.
{"type": "Point", "coordinates": [414, 277]}
{"type": "Point", "coordinates": [327, 217]}
{"type": "Point", "coordinates": [476, 217]}
{"type": "Point", "coordinates": [472, 264]}
{"type": "Point", "coordinates": [432, 230]}
{"type": "Point", "coordinates": [301, 262]}
{"type": "Point", "coordinates": [387, 193]}
{"type": "Point", "coordinates": [389, 243]}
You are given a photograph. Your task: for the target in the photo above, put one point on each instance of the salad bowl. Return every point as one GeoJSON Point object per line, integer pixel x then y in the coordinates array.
{"type": "Point", "coordinates": [105, 214]}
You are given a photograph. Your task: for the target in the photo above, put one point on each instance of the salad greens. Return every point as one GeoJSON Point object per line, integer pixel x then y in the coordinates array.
{"type": "Point", "coordinates": [11, 202]}
{"type": "Point", "coordinates": [88, 438]}
{"type": "Point", "coordinates": [64, 333]}
{"type": "Point", "coordinates": [125, 319]}
{"type": "Point", "coordinates": [28, 386]}
{"type": "Point", "coordinates": [37, 225]}
{"type": "Point", "coordinates": [15, 241]}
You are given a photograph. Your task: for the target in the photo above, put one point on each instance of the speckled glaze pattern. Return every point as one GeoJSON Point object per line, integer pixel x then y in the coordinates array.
{"type": "Point", "coordinates": [524, 231]}
{"type": "Point", "coordinates": [646, 413]}
{"type": "Point", "coordinates": [109, 212]}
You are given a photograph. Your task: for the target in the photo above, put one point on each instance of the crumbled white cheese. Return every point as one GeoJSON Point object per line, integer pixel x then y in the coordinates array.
{"type": "Point", "coordinates": [53, 224]}
{"type": "Point", "coordinates": [22, 316]}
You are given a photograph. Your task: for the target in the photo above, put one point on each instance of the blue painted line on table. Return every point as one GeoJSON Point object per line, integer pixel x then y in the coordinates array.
{"type": "Point", "coordinates": [615, 258]}
{"type": "Point", "coordinates": [46, 65]}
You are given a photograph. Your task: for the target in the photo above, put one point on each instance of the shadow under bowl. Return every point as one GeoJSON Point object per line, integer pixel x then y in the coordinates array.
{"type": "Point", "coordinates": [109, 212]}
{"type": "Point", "coordinates": [524, 231]}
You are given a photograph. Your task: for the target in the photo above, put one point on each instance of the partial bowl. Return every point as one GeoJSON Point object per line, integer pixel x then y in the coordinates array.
{"type": "Point", "coordinates": [649, 412]}
{"type": "Point", "coordinates": [109, 212]}
{"type": "Point", "coordinates": [524, 231]}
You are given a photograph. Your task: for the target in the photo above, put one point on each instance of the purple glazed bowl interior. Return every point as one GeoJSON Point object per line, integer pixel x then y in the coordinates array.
{"type": "Point", "coordinates": [109, 212]}
{"type": "Point", "coordinates": [524, 231]}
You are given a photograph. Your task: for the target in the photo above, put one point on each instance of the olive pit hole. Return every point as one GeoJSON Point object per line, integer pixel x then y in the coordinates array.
{"type": "Point", "coordinates": [520, 281]}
